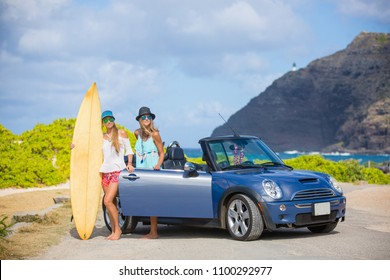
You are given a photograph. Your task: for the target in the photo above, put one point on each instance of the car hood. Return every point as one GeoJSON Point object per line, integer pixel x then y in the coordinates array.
{"type": "Point", "coordinates": [291, 182]}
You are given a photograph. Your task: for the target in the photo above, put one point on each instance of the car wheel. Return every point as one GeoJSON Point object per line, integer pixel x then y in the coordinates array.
{"type": "Point", "coordinates": [324, 228]}
{"type": "Point", "coordinates": [243, 218]}
{"type": "Point", "coordinates": [127, 223]}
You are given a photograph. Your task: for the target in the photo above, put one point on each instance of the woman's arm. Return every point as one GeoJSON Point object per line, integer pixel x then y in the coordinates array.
{"type": "Point", "coordinates": [129, 151]}
{"type": "Point", "coordinates": [158, 142]}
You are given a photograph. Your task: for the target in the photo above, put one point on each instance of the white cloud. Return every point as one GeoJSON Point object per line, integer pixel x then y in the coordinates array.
{"type": "Point", "coordinates": [375, 9]}
{"type": "Point", "coordinates": [207, 113]}
{"type": "Point", "coordinates": [17, 10]}
{"type": "Point", "coordinates": [187, 60]}
{"type": "Point", "coordinates": [124, 81]}
{"type": "Point", "coordinates": [240, 17]}
{"type": "Point", "coordinates": [238, 23]}
{"type": "Point", "coordinates": [243, 63]}
{"type": "Point", "coordinates": [196, 24]}
{"type": "Point", "coordinates": [40, 42]}
{"type": "Point", "coordinates": [9, 58]}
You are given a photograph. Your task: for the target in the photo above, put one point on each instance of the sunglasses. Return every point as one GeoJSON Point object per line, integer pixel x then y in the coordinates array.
{"type": "Point", "coordinates": [108, 119]}
{"type": "Point", "coordinates": [144, 117]}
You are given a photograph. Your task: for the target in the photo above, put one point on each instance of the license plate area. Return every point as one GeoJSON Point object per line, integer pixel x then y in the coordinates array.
{"type": "Point", "coordinates": [321, 208]}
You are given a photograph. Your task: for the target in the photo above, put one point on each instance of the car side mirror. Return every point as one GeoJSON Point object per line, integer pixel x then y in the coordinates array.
{"type": "Point", "coordinates": [189, 166]}
{"type": "Point", "coordinates": [190, 170]}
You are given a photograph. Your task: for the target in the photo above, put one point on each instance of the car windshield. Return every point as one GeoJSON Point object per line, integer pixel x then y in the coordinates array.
{"type": "Point", "coordinates": [243, 153]}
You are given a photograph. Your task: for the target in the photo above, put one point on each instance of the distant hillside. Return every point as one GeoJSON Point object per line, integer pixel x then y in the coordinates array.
{"type": "Point", "coordinates": [337, 103]}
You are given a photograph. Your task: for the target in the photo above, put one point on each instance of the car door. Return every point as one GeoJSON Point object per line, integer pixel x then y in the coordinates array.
{"type": "Point", "coordinates": [166, 193]}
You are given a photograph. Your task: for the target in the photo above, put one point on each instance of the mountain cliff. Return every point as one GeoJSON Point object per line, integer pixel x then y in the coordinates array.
{"type": "Point", "coordinates": [337, 103]}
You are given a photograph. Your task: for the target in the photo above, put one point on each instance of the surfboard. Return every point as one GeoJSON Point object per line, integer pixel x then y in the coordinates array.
{"type": "Point", "coordinates": [85, 161]}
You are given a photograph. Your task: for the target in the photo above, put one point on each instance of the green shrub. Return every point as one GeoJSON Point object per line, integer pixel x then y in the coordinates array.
{"type": "Point", "coordinates": [318, 163]}
{"type": "Point", "coordinates": [38, 157]}
{"type": "Point", "coordinates": [4, 228]}
{"type": "Point", "coordinates": [352, 169]}
{"type": "Point", "coordinates": [196, 160]}
{"type": "Point", "coordinates": [375, 176]}
{"type": "Point", "coordinates": [343, 171]}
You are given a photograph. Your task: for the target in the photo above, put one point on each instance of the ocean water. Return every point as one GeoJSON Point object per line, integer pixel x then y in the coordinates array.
{"type": "Point", "coordinates": [362, 158]}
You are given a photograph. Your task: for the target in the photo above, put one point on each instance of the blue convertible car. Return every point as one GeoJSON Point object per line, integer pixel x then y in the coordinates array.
{"type": "Point", "coordinates": [244, 188]}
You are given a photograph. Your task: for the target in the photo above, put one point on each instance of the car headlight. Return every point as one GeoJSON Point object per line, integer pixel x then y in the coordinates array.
{"type": "Point", "coordinates": [333, 182]}
{"type": "Point", "coordinates": [272, 189]}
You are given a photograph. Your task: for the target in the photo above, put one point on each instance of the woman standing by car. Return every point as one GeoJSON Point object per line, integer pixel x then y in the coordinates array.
{"type": "Point", "coordinates": [149, 152]}
{"type": "Point", "coordinates": [115, 145]}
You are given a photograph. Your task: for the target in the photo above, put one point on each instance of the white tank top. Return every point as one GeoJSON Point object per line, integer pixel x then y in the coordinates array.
{"type": "Point", "coordinates": [114, 161]}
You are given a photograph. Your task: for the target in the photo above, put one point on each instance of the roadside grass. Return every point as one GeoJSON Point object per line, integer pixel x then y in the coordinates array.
{"type": "Point", "coordinates": [4, 227]}
{"type": "Point", "coordinates": [31, 240]}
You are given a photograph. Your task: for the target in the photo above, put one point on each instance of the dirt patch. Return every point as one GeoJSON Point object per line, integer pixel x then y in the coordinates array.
{"type": "Point", "coordinates": [373, 199]}
{"type": "Point", "coordinates": [29, 201]}
{"type": "Point", "coordinates": [30, 239]}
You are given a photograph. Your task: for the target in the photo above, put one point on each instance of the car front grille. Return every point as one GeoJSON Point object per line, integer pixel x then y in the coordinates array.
{"type": "Point", "coordinates": [314, 194]}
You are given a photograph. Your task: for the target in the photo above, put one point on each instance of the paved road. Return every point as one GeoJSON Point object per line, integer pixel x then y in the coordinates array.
{"type": "Point", "coordinates": [364, 235]}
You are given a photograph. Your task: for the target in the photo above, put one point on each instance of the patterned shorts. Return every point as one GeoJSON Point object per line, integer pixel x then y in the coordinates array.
{"type": "Point", "coordinates": [111, 177]}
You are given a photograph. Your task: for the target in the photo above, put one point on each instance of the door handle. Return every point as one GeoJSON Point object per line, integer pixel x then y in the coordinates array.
{"type": "Point", "coordinates": [131, 177]}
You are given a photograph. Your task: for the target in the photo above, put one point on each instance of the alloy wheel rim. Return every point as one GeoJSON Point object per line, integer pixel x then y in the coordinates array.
{"type": "Point", "coordinates": [238, 218]}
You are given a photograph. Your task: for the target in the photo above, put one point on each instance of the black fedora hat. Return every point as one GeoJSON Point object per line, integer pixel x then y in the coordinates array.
{"type": "Point", "coordinates": [144, 111]}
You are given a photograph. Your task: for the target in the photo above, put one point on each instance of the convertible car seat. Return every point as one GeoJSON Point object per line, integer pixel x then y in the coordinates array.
{"type": "Point", "coordinates": [174, 158]}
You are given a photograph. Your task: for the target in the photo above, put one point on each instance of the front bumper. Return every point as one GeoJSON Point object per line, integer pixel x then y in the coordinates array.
{"type": "Point", "coordinates": [301, 213]}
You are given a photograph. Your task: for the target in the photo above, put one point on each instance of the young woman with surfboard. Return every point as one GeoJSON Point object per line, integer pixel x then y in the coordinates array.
{"type": "Point", "coordinates": [116, 145]}
{"type": "Point", "coordinates": [149, 152]}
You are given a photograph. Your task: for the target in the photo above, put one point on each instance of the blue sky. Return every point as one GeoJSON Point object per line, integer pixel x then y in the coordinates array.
{"type": "Point", "coordinates": [186, 60]}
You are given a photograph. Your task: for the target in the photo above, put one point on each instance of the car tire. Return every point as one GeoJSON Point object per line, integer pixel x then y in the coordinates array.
{"type": "Point", "coordinates": [127, 223]}
{"type": "Point", "coordinates": [324, 228]}
{"type": "Point", "coordinates": [243, 218]}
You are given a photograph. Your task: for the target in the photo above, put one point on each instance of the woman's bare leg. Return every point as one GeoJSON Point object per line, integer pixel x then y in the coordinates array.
{"type": "Point", "coordinates": [153, 234]}
{"type": "Point", "coordinates": [109, 202]}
